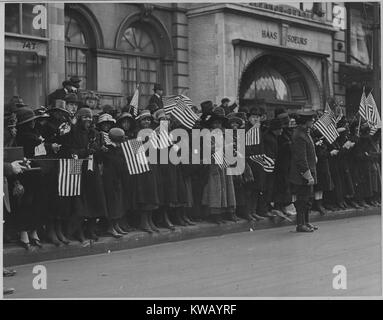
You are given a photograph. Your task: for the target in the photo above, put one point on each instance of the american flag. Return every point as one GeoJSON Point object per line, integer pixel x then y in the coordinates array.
{"type": "Point", "coordinates": [253, 136]}
{"type": "Point", "coordinates": [180, 108]}
{"type": "Point", "coordinates": [105, 138]}
{"type": "Point", "coordinates": [362, 106]}
{"type": "Point", "coordinates": [220, 160]}
{"type": "Point", "coordinates": [264, 161]}
{"type": "Point", "coordinates": [326, 125]}
{"type": "Point", "coordinates": [160, 138]}
{"type": "Point", "coordinates": [70, 177]}
{"type": "Point", "coordinates": [134, 102]}
{"type": "Point", "coordinates": [135, 157]}
{"type": "Point", "coordinates": [372, 114]}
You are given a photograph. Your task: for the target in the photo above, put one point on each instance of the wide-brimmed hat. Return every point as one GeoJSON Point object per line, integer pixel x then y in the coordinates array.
{"type": "Point", "coordinates": [305, 115]}
{"type": "Point", "coordinates": [144, 114]}
{"type": "Point", "coordinates": [24, 115]}
{"type": "Point", "coordinates": [284, 117]}
{"type": "Point", "coordinates": [105, 117]}
{"type": "Point", "coordinates": [275, 124]}
{"type": "Point", "coordinates": [67, 83]}
{"type": "Point", "coordinates": [207, 107]}
{"type": "Point", "coordinates": [71, 98]}
{"type": "Point", "coordinates": [157, 86]}
{"type": "Point", "coordinates": [116, 135]}
{"type": "Point", "coordinates": [18, 101]}
{"type": "Point", "coordinates": [256, 111]}
{"type": "Point", "coordinates": [158, 114]}
{"type": "Point", "coordinates": [225, 100]}
{"type": "Point", "coordinates": [124, 115]}
{"type": "Point", "coordinates": [85, 114]}
{"type": "Point", "coordinates": [238, 117]}
{"type": "Point", "coordinates": [108, 108]}
{"type": "Point", "coordinates": [59, 105]}
{"type": "Point", "coordinates": [41, 112]}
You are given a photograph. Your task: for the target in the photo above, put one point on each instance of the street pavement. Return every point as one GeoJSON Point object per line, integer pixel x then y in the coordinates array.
{"type": "Point", "coordinates": [264, 263]}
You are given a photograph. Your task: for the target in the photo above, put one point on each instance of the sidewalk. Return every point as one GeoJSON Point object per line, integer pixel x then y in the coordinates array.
{"type": "Point", "coordinates": [14, 255]}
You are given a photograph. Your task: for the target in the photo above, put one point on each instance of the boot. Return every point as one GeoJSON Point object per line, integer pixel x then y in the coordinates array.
{"type": "Point", "coordinates": [112, 232]}
{"type": "Point", "coordinates": [52, 236]}
{"type": "Point", "coordinates": [186, 219]}
{"type": "Point", "coordinates": [119, 229]}
{"type": "Point", "coordinates": [60, 234]}
{"type": "Point", "coordinates": [166, 221]}
{"type": "Point", "coordinates": [304, 228]}
{"type": "Point", "coordinates": [178, 219]}
{"type": "Point", "coordinates": [151, 223]}
{"type": "Point", "coordinates": [319, 207]}
{"type": "Point", "coordinates": [92, 230]}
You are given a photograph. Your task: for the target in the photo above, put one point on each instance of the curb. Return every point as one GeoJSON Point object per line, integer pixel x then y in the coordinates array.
{"type": "Point", "coordinates": [13, 255]}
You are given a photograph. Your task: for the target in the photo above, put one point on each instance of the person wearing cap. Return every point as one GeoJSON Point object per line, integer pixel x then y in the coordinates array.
{"type": "Point", "coordinates": [75, 81]}
{"type": "Point", "coordinates": [67, 87]}
{"type": "Point", "coordinates": [104, 123]}
{"type": "Point", "coordinates": [156, 98]}
{"type": "Point", "coordinates": [282, 192]}
{"type": "Point", "coordinates": [112, 110]}
{"type": "Point", "coordinates": [72, 103]}
{"type": "Point", "coordinates": [84, 142]}
{"type": "Point", "coordinates": [31, 211]}
{"type": "Point", "coordinates": [146, 198]}
{"type": "Point", "coordinates": [219, 193]}
{"type": "Point", "coordinates": [303, 174]}
{"type": "Point", "coordinates": [113, 163]}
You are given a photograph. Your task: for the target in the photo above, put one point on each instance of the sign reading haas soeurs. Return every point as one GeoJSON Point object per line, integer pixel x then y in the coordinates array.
{"type": "Point", "coordinates": [290, 38]}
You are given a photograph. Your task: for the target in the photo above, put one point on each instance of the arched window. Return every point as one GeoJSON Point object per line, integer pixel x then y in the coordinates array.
{"type": "Point", "coordinates": [77, 54]}
{"type": "Point", "coordinates": [141, 64]}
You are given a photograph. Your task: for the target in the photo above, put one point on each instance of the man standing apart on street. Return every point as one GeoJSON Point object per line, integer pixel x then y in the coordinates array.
{"type": "Point", "coordinates": [303, 170]}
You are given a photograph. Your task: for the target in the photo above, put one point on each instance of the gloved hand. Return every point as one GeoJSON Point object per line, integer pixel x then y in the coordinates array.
{"type": "Point", "coordinates": [334, 152]}
{"type": "Point", "coordinates": [308, 176]}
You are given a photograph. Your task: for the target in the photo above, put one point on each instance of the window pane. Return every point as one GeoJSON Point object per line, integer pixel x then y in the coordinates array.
{"type": "Point", "coordinates": [76, 62]}
{"type": "Point", "coordinates": [73, 31]}
{"type": "Point", "coordinates": [28, 17]}
{"type": "Point", "coordinates": [24, 76]}
{"type": "Point", "coordinates": [12, 18]}
{"type": "Point", "coordinates": [81, 56]}
{"type": "Point", "coordinates": [137, 40]}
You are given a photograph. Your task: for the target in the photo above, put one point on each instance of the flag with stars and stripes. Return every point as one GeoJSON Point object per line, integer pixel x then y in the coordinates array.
{"type": "Point", "coordinates": [135, 157]}
{"type": "Point", "coordinates": [134, 102]}
{"type": "Point", "coordinates": [326, 125]}
{"type": "Point", "coordinates": [69, 177]}
{"type": "Point", "coordinates": [161, 138]}
{"type": "Point", "coordinates": [180, 108]}
{"type": "Point", "coordinates": [362, 106]}
{"type": "Point", "coordinates": [372, 114]}
{"type": "Point", "coordinates": [253, 136]}
{"type": "Point", "coordinates": [105, 138]}
{"type": "Point", "coordinates": [264, 161]}
{"type": "Point", "coordinates": [220, 160]}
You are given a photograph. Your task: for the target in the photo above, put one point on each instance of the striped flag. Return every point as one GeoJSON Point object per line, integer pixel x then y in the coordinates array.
{"type": "Point", "coordinates": [135, 157]}
{"type": "Point", "coordinates": [253, 136]}
{"type": "Point", "coordinates": [264, 161]}
{"type": "Point", "coordinates": [70, 177]}
{"type": "Point", "coordinates": [372, 114]}
{"type": "Point", "coordinates": [180, 108]}
{"type": "Point", "coordinates": [134, 102]}
{"type": "Point", "coordinates": [220, 160]}
{"type": "Point", "coordinates": [326, 125]}
{"type": "Point", "coordinates": [105, 138]}
{"type": "Point", "coordinates": [362, 106]}
{"type": "Point", "coordinates": [160, 138]}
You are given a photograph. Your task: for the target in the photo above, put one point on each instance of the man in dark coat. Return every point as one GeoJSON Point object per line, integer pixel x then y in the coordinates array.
{"type": "Point", "coordinates": [59, 94]}
{"type": "Point", "coordinates": [303, 170]}
{"type": "Point", "coordinates": [156, 98]}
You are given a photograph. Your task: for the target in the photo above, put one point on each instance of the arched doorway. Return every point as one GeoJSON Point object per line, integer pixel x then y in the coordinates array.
{"type": "Point", "coordinates": [273, 81]}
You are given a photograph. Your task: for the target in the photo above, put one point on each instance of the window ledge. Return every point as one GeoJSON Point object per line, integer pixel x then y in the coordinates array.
{"type": "Point", "coordinates": [25, 36]}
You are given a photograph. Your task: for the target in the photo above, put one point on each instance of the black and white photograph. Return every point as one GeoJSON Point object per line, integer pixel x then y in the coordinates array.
{"type": "Point", "coordinates": [183, 150]}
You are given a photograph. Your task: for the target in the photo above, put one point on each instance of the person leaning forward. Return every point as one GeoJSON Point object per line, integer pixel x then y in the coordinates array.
{"type": "Point", "coordinates": [303, 170]}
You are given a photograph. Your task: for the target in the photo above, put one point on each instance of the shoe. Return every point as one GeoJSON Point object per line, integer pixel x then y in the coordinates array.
{"type": "Point", "coordinates": [188, 221]}
{"type": "Point", "coordinates": [119, 230]}
{"type": "Point", "coordinates": [36, 243]}
{"type": "Point", "coordinates": [314, 227]}
{"type": "Point", "coordinates": [258, 217]}
{"type": "Point", "coordinates": [8, 272]}
{"type": "Point", "coordinates": [169, 225]}
{"type": "Point", "coordinates": [233, 217]}
{"type": "Point", "coordinates": [281, 215]}
{"type": "Point", "coordinates": [147, 229]}
{"type": "Point", "coordinates": [8, 291]}
{"type": "Point", "coordinates": [63, 239]}
{"type": "Point", "coordinates": [53, 239]}
{"type": "Point", "coordinates": [270, 215]}
{"type": "Point", "coordinates": [249, 217]}
{"type": "Point", "coordinates": [114, 234]}
{"type": "Point", "coordinates": [25, 245]}
{"type": "Point", "coordinates": [354, 205]}
{"type": "Point", "coordinates": [303, 228]}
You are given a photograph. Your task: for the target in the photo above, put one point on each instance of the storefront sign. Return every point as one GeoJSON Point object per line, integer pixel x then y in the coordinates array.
{"type": "Point", "coordinates": [290, 38]}
{"type": "Point", "coordinates": [27, 45]}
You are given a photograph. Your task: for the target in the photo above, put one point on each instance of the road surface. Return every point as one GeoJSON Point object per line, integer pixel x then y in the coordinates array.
{"type": "Point", "coordinates": [264, 263]}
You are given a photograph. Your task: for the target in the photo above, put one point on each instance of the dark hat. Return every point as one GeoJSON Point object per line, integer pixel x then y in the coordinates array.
{"type": "Point", "coordinates": [239, 117]}
{"type": "Point", "coordinates": [17, 101]}
{"type": "Point", "coordinates": [75, 81]}
{"type": "Point", "coordinates": [207, 107]}
{"type": "Point", "coordinates": [157, 86]}
{"type": "Point", "coordinates": [124, 115]}
{"type": "Point", "coordinates": [257, 111]}
{"type": "Point", "coordinates": [59, 105]}
{"type": "Point", "coordinates": [71, 98]}
{"type": "Point", "coordinates": [116, 135]}
{"type": "Point", "coordinates": [108, 108]}
{"type": "Point", "coordinates": [225, 100]}
{"type": "Point", "coordinates": [218, 114]}
{"type": "Point", "coordinates": [144, 114]}
{"type": "Point", "coordinates": [85, 113]}
{"type": "Point", "coordinates": [284, 117]}
{"type": "Point", "coordinates": [278, 111]}
{"type": "Point", "coordinates": [24, 115]}
{"type": "Point", "coordinates": [41, 112]}
{"type": "Point", "coordinates": [275, 124]}
{"type": "Point", "coordinates": [305, 115]}
{"type": "Point", "coordinates": [66, 83]}
{"type": "Point", "coordinates": [342, 122]}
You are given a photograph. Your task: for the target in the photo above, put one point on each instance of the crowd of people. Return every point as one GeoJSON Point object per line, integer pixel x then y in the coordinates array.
{"type": "Point", "coordinates": [308, 172]}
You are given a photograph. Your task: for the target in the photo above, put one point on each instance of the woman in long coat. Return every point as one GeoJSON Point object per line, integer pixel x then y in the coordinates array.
{"type": "Point", "coordinates": [219, 193]}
